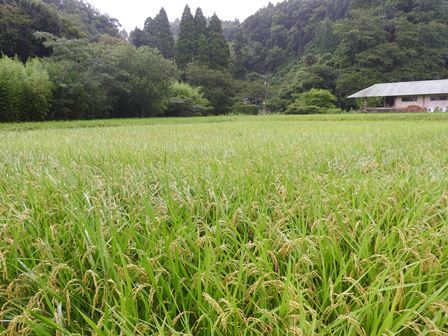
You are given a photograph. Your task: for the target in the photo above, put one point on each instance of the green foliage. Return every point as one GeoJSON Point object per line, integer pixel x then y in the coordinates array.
{"type": "Point", "coordinates": [79, 92]}
{"type": "Point", "coordinates": [241, 108]}
{"type": "Point", "coordinates": [315, 101]}
{"type": "Point", "coordinates": [187, 101]}
{"type": "Point", "coordinates": [218, 86]}
{"type": "Point", "coordinates": [343, 45]}
{"type": "Point", "coordinates": [219, 54]}
{"type": "Point", "coordinates": [81, 18]}
{"type": "Point", "coordinates": [38, 91]}
{"type": "Point", "coordinates": [124, 81]}
{"type": "Point", "coordinates": [187, 41]}
{"type": "Point", "coordinates": [25, 90]}
{"type": "Point", "coordinates": [202, 44]}
{"type": "Point", "coordinates": [317, 97]}
{"type": "Point", "coordinates": [156, 34]}
{"type": "Point", "coordinates": [253, 90]}
{"type": "Point", "coordinates": [200, 24]}
{"type": "Point", "coordinates": [20, 19]}
{"type": "Point", "coordinates": [292, 47]}
{"type": "Point", "coordinates": [203, 54]}
{"type": "Point", "coordinates": [138, 38]}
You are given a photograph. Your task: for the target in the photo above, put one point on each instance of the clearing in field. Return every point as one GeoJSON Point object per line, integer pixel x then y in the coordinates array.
{"type": "Point", "coordinates": [326, 225]}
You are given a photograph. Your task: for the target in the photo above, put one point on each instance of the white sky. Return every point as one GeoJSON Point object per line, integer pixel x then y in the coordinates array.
{"type": "Point", "coordinates": [132, 13]}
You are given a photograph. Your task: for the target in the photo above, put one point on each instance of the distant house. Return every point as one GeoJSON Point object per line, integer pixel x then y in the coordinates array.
{"type": "Point", "coordinates": [431, 95]}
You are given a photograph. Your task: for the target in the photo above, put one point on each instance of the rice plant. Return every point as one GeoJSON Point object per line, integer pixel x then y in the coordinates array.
{"type": "Point", "coordinates": [274, 225]}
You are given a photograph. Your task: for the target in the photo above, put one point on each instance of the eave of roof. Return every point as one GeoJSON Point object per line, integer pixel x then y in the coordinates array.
{"type": "Point", "coordinates": [404, 89]}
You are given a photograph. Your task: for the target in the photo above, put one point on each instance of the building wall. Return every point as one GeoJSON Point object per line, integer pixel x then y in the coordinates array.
{"type": "Point", "coordinates": [423, 101]}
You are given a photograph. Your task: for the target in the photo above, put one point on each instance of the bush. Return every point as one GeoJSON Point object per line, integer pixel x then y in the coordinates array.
{"type": "Point", "coordinates": [241, 108]}
{"type": "Point", "coordinates": [187, 101]}
{"type": "Point", "coordinates": [317, 97]}
{"type": "Point", "coordinates": [25, 90]}
{"type": "Point", "coordinates": [315, 101]}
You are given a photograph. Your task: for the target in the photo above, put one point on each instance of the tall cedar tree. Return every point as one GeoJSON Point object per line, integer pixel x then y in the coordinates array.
{"type": "Point", "coordinates": [219, 53]}
{"type": "Point", "coordinates": [239, 69]}
{"type": "Point", "coordinates": [201, 32]}
{"type": "Point", "coordinates": [202, 55]}
{"type": "Point", "coordinates": [159, 34]}
{"type": "Point", "coordinates": [200, 23]}
{"type": "Point", "coordinates": [185, 46]}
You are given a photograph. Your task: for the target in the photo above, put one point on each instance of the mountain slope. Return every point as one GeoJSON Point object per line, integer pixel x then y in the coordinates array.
{"type": "Point", "coordinates": [20, 19]}
{"type": "Point", "coordinates": [344, 45]}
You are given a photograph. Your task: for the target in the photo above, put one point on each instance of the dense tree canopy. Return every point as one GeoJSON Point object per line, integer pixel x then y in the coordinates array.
{"type": "Point", "coordinates": [218, 86]}
{"type": "Point", "coordinates": [219, 54]}
{"type": "Point", "coordinates": [156, 34]}
{"type": "Point", "coordinates": [81, 15]}
{"type": "Point", "coordinates": [187, 41]}
{"type": "Point", "coordinates": [107, 79]}
{"type": "Point", "coordinates": [20, 19]}
{"type": "Point", "coordinates": [269, 59]}
{"type": "Point", "coordinates": [200, 23]}
{"type": "Point", "coordinates": [343, 45]}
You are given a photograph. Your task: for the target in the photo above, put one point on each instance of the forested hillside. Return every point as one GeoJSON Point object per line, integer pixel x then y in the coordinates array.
{"type": "Point", "coordinates": [229, 28]}
{"type": "Point", "coordinates": [20, 19]}
{"type": "Point", "coordinates": [344, 45]}
{"type": "Point", "coordinates": [277, 60]}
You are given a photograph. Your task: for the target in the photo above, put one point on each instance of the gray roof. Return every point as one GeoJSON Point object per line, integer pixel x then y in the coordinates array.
{"type": "Point", "coordinates": [404, 89]}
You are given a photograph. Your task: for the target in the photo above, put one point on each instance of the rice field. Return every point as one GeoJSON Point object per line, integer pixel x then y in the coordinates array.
{"type": "Point", "coordinates": [270, 225]}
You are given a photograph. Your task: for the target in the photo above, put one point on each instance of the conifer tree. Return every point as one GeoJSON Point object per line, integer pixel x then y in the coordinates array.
{"type": "Point", "coordinates": [200, 25]}
{"type": "Point", "coordinates": [185, 46]}
{"type": "Point", "coordinates": [203, 50]}
{"type": "Point", "coordinates": [156, 34]}
{"type": "Point", "coordinates": [160, 34]}
{"type": "Point", "coordinates": [239, 69]}
{"type": "Point", "coordinates": [219, 53]}
{"type": "Point", "coordinates": [138, 37]}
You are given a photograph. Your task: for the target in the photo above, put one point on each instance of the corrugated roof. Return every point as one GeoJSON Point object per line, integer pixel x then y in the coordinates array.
{"type": "Point", "coordinates": [404, 89]}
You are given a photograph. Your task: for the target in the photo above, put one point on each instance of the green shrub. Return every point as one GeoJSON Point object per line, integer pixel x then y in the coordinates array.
{"type": "Point", "coordinates": [315, 101]}
{"type": "Point", "coordinates": [317, 97]}
{"type": "Point", "coordinates": [187, 101]}
{"type": "Point", "coordinates": [241, 108]}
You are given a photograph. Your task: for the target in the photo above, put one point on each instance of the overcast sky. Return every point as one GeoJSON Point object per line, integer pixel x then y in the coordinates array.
{"type": "Point", "coordinates": [133, 13]}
